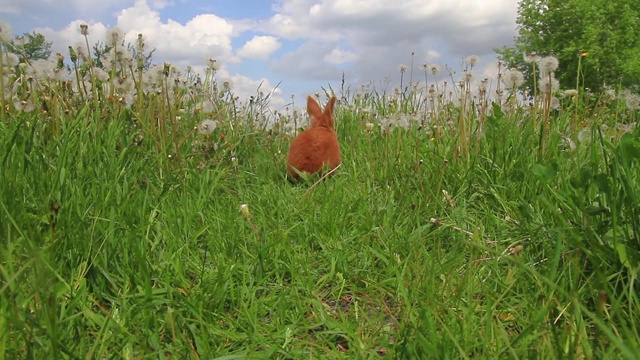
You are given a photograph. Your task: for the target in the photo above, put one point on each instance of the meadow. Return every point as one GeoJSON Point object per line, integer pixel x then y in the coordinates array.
{"type": "Point", "coordinates": [145, 213]}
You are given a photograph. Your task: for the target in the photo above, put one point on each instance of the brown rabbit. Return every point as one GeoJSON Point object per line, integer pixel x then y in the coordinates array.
{"type": "Point", "coordinates": [315, 149]}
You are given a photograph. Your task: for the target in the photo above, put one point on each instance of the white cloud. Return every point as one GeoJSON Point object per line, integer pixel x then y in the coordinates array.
{"type": "Point", "coordinates": [286, 26]}
{"type": "Point", "coordinates": [380, 35]}
{"type": "Point", "coordinates": [307, 62]}
{"type": "Point", "coordinates": [70, 35]}
{"type": "Point", "coordinates": [90, 10]}
{"type": "Point", "coordinates": [206, 35]}
{"type": "Point", "coordinates": [339, 56]}
{"type": "Point", "coordinates": [319, 39]}
{"type": "Point", "coordinates": [184, 43]}
{"type": "Point", "coordinates": [7, 7]}
{"type": "Point", "coordinates": [160, 4]}
{"type": "Point", "coordinates": [244, 86]}
{"type": "Point", "coordinates": [432, 55]}
{"type": "Point", "coordinates": [259, 47]}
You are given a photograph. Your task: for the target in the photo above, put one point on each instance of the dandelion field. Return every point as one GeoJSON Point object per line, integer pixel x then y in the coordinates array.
{"type": "Point", "coordinates": [144, 213]}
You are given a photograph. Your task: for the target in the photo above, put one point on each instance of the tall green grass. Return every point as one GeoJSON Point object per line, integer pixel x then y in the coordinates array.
{"type": "Point", "coordinates": [122, 235]}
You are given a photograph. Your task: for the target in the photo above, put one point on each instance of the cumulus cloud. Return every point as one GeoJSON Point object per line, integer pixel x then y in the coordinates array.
{"type": "Point", "coordinates": [190, 42]}
{"type": "Point", "coordinates": [307, 62]}
{"type": "Point", "coordinates": [259, 47]}
{"type": "Point", "coordinates": [380, 35]}
{"type": "Point", "coordinates": [432, 55]}
{"type": "Point", "coordinates": [315, 41]}
{"type": "Point", "coordinates": [205, 35]}
{"type": "Point", "coordinates": [339, 56]}
{"type": "Point", "coordinates": [8, 7]}
{"type": "Point", "coordinates": [245, 86]}
{"type": "Point", "coordinates": [70, 35]}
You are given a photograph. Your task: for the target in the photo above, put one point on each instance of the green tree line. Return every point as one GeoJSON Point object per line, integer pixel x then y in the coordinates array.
{"type": "Point", "coordinates": [605, 32]}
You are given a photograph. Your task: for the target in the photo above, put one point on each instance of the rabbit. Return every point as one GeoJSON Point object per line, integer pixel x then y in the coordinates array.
{"type": "Point", "coordinates": [316, 149]}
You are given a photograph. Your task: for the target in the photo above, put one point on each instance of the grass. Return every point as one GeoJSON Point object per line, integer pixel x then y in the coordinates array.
{"type": "Point", "coordinates": [122, 235]}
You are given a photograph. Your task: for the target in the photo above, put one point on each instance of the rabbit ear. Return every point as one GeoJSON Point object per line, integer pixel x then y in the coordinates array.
{"type": "Point", "coordinates": [328, 110]}
{"type": "Point", "coordinates": [313, 108]}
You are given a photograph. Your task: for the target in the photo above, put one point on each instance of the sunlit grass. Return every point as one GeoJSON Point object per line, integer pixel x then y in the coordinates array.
{"type": "Point", "coordinates": [460, 224]}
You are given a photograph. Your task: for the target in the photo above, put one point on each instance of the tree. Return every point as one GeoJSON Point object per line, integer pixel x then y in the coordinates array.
{"type": "Point", "coordinates": [605, 32]}
{"type": "Point", "coordinates": [100, 49]}
{"type": "Point", "coordinates": [31, 46]}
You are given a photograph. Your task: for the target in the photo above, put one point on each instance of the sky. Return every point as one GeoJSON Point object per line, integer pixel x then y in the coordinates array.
{"type": "Point", "coordinates": [296, 47]}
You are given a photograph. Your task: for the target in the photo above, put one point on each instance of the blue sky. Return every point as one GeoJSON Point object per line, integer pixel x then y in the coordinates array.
{"type": "Point", "coordinates": [302, 45]}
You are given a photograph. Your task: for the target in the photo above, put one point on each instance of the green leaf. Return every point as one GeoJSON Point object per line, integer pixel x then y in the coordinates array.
{"type": "Point", "coordinates": [603, 182]}
{"type": "Point", "coordinates": [628, 149]}
{"type": "Point", "coordinates": [621, 249]}
{"type": "Point", "coordinates": [546, 173]}
{"type": "Point", "coordinates": [495, 117]}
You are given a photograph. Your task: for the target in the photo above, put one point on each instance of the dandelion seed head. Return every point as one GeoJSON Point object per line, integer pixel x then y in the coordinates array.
{"type": "Point", "coordinates": [468, 76]}
{"type": "Point", "coordinates": [583, 135]}
{"type": "Point", "coordinates": [435, 69]}
{"type": "Point", "coordinates": [548, 64]}
{"type": "Point", "coordinates": [609, 92]}
{"type": "Point", "coordinates": [631, 100]}
{"type": "Point", "coordinates": [531, 58]}
{"type": "Point", "coordinates": [244, 209]}
{"type": "Point", "coordinates": [114, 36]}
{"type": "Point", "coordinates": [548, 84]}
{"type": "Point", "coordinates": [6, 32]}
{"type": "Point", "coordinates": [472, 60]}
{"type": "Point", "coordinates": [432, 90]}
{"type": "Point", "coordinates": [570, 93]}
{"type": "Point", "coordinates": [20, 40]}
{"type": "Point", "coordinates": [213, 64]}
{"type": "Point", "coordinates": [99, 74]}
{"type": "Point", "coordinates": [227, 84]}
{"type": "Point", "coordinates": [403, 68]}
{"type": "Point", "coordinates": [206, 126]}
{"type": "Point", "coordinates": [127, 99]}
{"type": "Point", "coordinates": [41, 69]}
{"type": "Point", "coordinates": [568, 143]}
{"type": "Point", "coordinates": [513, 79]}
{"type": "Point", "coordinates": [206, 107]}
{"type": "Point", "coordinates": [140, 42]}
{"type": "Point", "coordinates": [84, 29]}
{"type": "Point", "coordinates": [23, 105]}
{"type": "Point", "coordinates": [483, 86]}
{"type": "Point", "coordinates": [11, 59]}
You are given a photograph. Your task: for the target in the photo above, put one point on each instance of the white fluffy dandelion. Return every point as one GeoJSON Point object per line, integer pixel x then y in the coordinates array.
{"type": "Point", "coordinates": [206, 126]}
{"type": "Point", "coordinates": [213, 64]}
{"type": "Point", "coordinates": [472, 60]}
{"type": "Point", "coordinates": [435, 69]}
{"type": "Point", "coordinates": [468, 77]}
{"type": "Point", "coordinates": [244, 209]}
{"type": "Point", "coordinates": [114, 36]}
{"type": "Point", "coordinates": [84, 29]}
{"type": "Point", "coordinates": [227, 84]}
{"type": "Point", "coordinates": [531, 58]}
{"type": "Point", "coordinates": [548, 64]}
{"type": "Point", "coordinates": [513, 79]}
{"type": "Point", "coordinates": [548, 84]}
{"type": "Point", "coordinates": [6, 32]}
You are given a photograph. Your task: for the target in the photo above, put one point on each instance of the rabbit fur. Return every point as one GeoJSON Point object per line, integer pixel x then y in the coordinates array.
{"type": "Point", "coordinates": [316, 149]}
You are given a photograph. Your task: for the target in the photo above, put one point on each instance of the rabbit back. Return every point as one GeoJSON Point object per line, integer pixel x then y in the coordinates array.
{"type": "Point", "coordinates": [314, 150]}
